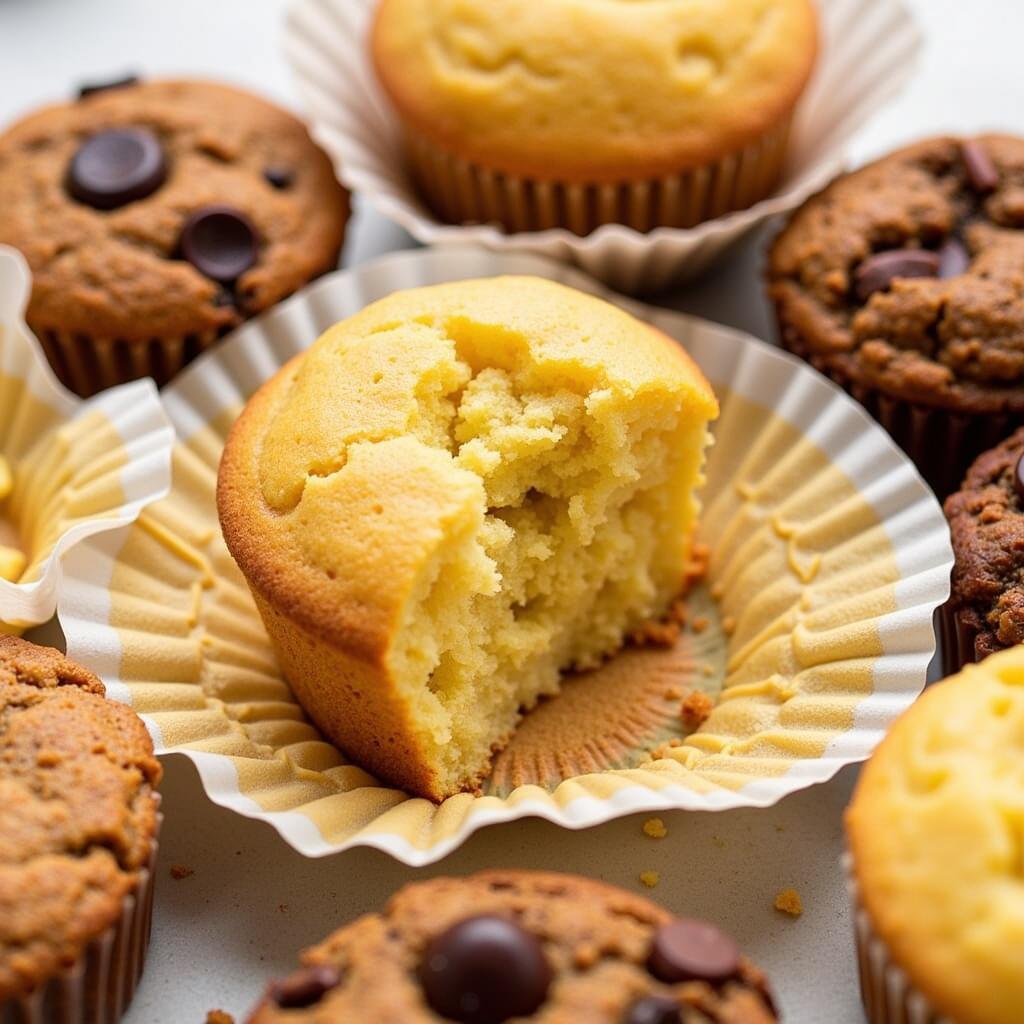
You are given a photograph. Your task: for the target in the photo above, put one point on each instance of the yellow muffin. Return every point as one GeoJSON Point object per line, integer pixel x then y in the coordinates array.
{"type": "Point", "coordinates": [936, 831]}
{"type": "Point", "coordinates": [581, 112]}
{"type": "Point", "coordinates": [452, 496]}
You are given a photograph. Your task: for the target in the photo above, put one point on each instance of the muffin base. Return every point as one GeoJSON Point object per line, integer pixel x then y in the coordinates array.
{"type": "Point", "coordinates": [956, 639]}
{"type": "Point", "coordinates": [461, 192]}
{"type": "Point", "coordinates": [99, 986]}
{"type": "Point", "coordinates": [885, 990]}
{"type": "Point", "coordinates": [942, 443]}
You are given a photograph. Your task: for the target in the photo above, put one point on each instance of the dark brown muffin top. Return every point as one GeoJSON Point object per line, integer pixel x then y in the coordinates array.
{"type": "Point", "coordinates": [986, 519]}
{"type": "Point", "coordinates": [77, 811]}
{"type": "Point", "coordinates": [545, 948]}
{"type": "Point", "coordinates": [119, 273]}
{"type": "Point", "coordinates": [951, 337]}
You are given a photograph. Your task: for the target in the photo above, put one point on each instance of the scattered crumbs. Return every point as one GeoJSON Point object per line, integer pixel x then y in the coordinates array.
{"type": "Point", "coordinates": [219, 1017]}
{"type": "Point", "coordinates": [655, 828]}
{"type": "Point", "coordinates": [180, 871]}
{"type": "Point", "coordinates": [700, 623]}
{"type": "Point", "coordinates": [674, 693]}
{"type": "Point", "coordinates": [717, 591]}
{"type": "Point", "coordinates": [650, 878]}
{"type": "Point", "coordinates": [665, 749]}
{"type": "Point", "coordinates": [656, 634]}
{"type": "Point", "coordinates": [696, 709]}
{"type": "Point", "coordinates": [789, 902]}
{"type": "Point", "coordinates": [700, 555]}
{"type": "Point", "coordinates": [728, 625]}
{"type": "Point", "coordinates": [283, 908]}
{"type": "Point", "coordinates": [780, 828]}
{"type": "Point", "coordinates": [708, 669]}
{"type": "Point", "coordinates": [677, 612]}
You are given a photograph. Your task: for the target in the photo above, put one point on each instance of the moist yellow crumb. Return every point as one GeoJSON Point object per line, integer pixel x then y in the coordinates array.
{"type": "Point", "coordinates": [656, 634]}
{"type": "Point", "coordinates": [674, 693]}
{"type": "Point", "coordinates": [12, 564]}
{"type": "Point", "coordinates": [180, 871]}
{"type": "Point", "coordinates": [728, 625]}
{"type": "Point", "coordinates": [219, 1017]}
{"type": "Point", "coordinates": [696, 709]}
{"type": "Point", "coordinates": [708, 670]}
{"type": "Point", "coordinates": [700, 623]}
{"type": "Point", "coordinates": [655, 828]}
{"type": "Point", "coordinates": [650, 878]}
{"type": "Point", "coordinates": [789, 902]}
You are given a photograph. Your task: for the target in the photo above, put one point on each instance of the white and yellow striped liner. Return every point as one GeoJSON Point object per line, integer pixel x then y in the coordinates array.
{"type": "Point", "coordinates": [78, 468]}
{"type": "Point", "coordinates": [829, 554]}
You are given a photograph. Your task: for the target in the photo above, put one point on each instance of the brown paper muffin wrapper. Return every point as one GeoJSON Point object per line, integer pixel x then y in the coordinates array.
{"type": "Point", "coordinates": [956, 639]}
{"type": "Point", "coordinates": [98, 987]}
{"type": "Point", "coordinates": [942, 443]}
{"type": "Point", "coordinates": [886, 991]}
{"type": "Point", "coordinates": [461, 192]}
{"type": "Point", "coordinates": [78, 468]}
{"type": "Point", "coordinates": [811, 632]}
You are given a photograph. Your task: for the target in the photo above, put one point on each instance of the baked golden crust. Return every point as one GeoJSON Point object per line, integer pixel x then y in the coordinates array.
{"type": "Point", "coordinates": [587, 92]}
{"type": "Point", "coordinates": [78, 812]}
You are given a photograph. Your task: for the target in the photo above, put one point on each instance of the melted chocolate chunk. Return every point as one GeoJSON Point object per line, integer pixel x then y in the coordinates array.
{"type": "Point", "coordinates": [305, 987]}
{"type": "Point", "coordinates": [91, 88]}
{"type": "Point", "coordinates": [688, 950]}
{"type": "Point", "coordinates": [981, 171]}
{"type": "Point", "coordinates": [653, 1010]}
{"type": "Point", "coordinates": [220, 242]}
{"type": "Point", "coordinates": [877, 272]}
{"type": "Point", "coordinates": [116, 167]}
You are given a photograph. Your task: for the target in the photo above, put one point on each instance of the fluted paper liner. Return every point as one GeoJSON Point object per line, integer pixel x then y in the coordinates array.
{"type": "Point", "coordinates": [829, 557]}
{"type": "Point", "coordinates": [869, 52]}
{"type": "Point", "coordinates": [79, 468]}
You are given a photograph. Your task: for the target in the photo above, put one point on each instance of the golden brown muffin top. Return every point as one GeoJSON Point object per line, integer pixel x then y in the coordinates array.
{"type": "Point", "coordinates": [119, 273]}
{"type": "Point", "coordinates": [78, 811]}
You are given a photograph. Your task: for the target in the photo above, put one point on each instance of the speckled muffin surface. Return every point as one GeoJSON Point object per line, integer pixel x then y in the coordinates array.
{"type": "Point", "coordinates": [986, 519]}
{"type": "Point", "coordinates": [118, 276]}
{"type": "Point", "coordinates": [597, 961]}
{"type": "Point", "coordinates": [78, 812]}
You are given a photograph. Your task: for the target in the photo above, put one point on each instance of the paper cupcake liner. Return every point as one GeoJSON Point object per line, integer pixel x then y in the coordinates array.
{"type": "Point", "coordinates": [80, 468]}
{"type": "Point", "coordinates": [956, 639]}
{"type": "Point", "coordinates": [869, 52]}
{"type": "Point", "coordinates": [98, 988]}
{"type": "Point", "coordinates": [461, 192]}
{"type": "Point", "coordinates": [829, 557]}
{"type": "Point", "coordinates": [886, 991]}
{"type": "Point", "coordinates": [941, 442]}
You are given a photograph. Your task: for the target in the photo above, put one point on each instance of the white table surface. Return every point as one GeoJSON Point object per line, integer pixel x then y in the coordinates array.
{"type": "Point", "coordinates": [252, 902]}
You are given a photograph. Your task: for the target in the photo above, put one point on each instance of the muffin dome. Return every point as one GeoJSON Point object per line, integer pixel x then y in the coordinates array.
{"type": "Point", "coordinates": [452, 496]}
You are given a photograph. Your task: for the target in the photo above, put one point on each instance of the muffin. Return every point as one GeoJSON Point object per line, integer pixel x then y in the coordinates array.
{"type": "Point", "coordinates": [78, 825]}
{"type": "Point", "coordinates": [985, 612]}
{"type": "Point", "coordinates": [902, 283]}
{"type": "Point", "coordinates": [541, 947]}
{"type": "Point", "coordinates": [569, 114]}
{"type": "Point", "coordinates": [453, 495]}
{"type": "Point", "coordinates": [158, 216]}
{"type": "Point", "coordinates": [935, 841]}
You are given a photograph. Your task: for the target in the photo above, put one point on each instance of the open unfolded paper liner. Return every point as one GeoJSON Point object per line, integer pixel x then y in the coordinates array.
{"type": "Point", "coordinates": [79, 468]}
{"type": "Point", "coordinates": [829, 556]}
{"type": "Point", "coordinates": [868, 53]}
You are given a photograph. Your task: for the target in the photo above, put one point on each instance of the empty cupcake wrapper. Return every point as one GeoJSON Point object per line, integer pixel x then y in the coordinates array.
{"type": "Point", "coordinates": [98, 987]}
{"type": "Point", "coordinates": [886, 991]}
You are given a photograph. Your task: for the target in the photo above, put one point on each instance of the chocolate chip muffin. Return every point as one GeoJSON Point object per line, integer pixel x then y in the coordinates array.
{"type": "Point", "coordinates": [78, 825]}
{"type": "Point", "coordinates": [156, 217]}
{"type": "Point", "coordinates": [985, 612]}
{"type": "Point", "coordinates": [524, 946]}
{"type": "Point", "coordinates": [904, 283]}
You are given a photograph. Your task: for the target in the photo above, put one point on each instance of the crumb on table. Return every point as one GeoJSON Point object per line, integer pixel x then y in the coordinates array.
{"type": "Point", "coordinates": [180, 871]}
{"type": "Point", "coordinates": [219, 1017]}
{"type": "Point", "coordinates": [696, 709]}
{"type": "Point", "coordinates": [789, 902]}
{"type": "Point", "coordinates": [700, 623]}
{"type": "Point", "coordinates": [728, 625]}
{"type": "Point", "coordinates": [650, 878]}
{"type": "Point", "coordinates": [655, 828]}
{"type": "Point", "coordinates": [674, 693]}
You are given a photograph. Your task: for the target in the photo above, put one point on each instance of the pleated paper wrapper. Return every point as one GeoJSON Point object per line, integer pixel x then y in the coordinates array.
{"type": "Point", "coordinates": [869, 51]}
{"type": "Point", "coordinates": [811, 632]}
{"type": "Point", "coordinates": [79, 468]}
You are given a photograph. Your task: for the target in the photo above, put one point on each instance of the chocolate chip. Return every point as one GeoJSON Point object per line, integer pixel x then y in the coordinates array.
{"type": "Point", "coordinates": [981, 171]}
{"type": "Point", "coordinates": [116, 167]}
{"type": "Point", "coordinates": [1018, 477]}
{"type": "Point", "coordinates": [653, 1010]}
{"type": "Point", "coordinates": [877, 272]}
{"type": "Point", "coordinates": [279, 177]}
{"type": "Point", "coordinates": [954, 259]}
{"type": "Point", "coordinates": [687, 950]}
{"type": "Point", "coordinates": [305, 987]}
{"type": "Point", "coordinates": [484, 970]}
{"type": "Point", "coordinates": [220, 242]}
{"type": "Point", "coordinates": [90, 88]}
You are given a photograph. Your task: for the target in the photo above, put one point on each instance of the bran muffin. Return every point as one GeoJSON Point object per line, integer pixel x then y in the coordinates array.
{"type": "Point", "coordinates": [78, 824]}
{"type": "Point", "coordinates": [575, 114]}
{"type": "Point", "coordinates": [158, 216]}
{"type": "Point", "coordinates": [985, 612]}
{"type": "Point", "coordinates": [451, 497]}
{"type": "Point", "coordinates": [554, 949]}
{"type": "Point", "coordinates": [935, 840]}
{"type": "Point", "coordinates": [902, 282]}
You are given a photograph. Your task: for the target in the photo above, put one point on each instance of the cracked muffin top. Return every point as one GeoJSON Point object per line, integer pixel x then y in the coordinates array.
{"type": "Point", "coordinates": [936, 829]}
{"type": "Point", "coordinates": [78, 811]}
{"type": "Point", "coordinates": [522, 946]}
{"type": "Point", "coordinates": [986, 519]}
{"type": "Point", "coordinates": [576, 90]}
{"type": "Point", "coordinates": [100, 195]}
{"type": "Point", "coordinates": [908, 275]}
